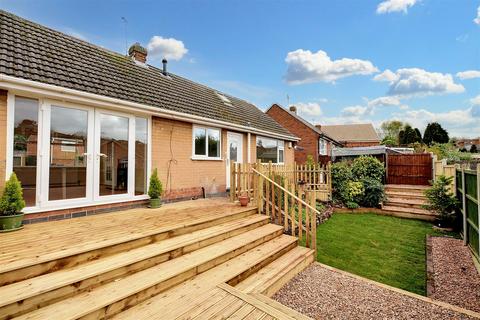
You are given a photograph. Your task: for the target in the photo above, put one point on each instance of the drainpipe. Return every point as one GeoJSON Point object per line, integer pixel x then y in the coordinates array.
{"type": "Point", "coordinates": [248, 147]}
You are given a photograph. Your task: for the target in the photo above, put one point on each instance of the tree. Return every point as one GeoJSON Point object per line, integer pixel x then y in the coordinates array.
{"type": "Point", "coordinates": [391, 128]}
{"type": "Point", "coordinates": [473, 148]}
{"type": "Point", "coordinates": [389, 141]}
{"type": "Point", "coordinates": [435, 133]}
{"type": "Point", "coordinates": [409, 135]}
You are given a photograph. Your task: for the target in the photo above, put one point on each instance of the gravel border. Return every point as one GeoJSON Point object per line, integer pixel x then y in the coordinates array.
{"type": "Point", "coordinates": [455, 277]}
{"type": "Point", "coordinates": [323, 292]}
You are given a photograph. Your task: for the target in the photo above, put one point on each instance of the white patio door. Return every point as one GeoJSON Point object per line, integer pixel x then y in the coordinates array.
{"type": "Point", "coordinates": [114, 155]}
{"type": "Point", "coordinates": [234, 151]}
{"type": "Point", "coordinates": [66, 149]}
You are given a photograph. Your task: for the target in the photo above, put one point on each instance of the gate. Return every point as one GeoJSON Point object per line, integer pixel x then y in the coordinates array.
{"type": "Point", "coordinates": [413, 169]}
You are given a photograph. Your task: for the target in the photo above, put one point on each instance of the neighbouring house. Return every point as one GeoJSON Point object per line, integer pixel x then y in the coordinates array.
{"type": "Point", "coordinates": [313, 141]}
{"type": "Point", "coordinates": [352, 135]}
{"type": "Point", "coordinates": [380, 152]}
{"type": "Point", "coordinates": [468, 143]}
{"type": "Point", "coordinates": [83, 126]}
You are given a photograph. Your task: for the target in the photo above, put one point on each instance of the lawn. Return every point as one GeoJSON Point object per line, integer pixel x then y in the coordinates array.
{"type": "Point", "coordinates": [382, 248]}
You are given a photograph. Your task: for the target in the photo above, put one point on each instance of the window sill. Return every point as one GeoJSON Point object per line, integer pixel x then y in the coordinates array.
{"type": "Point", "coordinates": [205, 158]}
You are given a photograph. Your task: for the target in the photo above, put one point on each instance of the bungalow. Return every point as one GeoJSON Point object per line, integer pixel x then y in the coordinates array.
{"type": "Point", "coordinates": [83, 127]}
{"type": "Point", "coordinates": [313, 142]}
{"type": "Point", "coordinates": [353, 135]}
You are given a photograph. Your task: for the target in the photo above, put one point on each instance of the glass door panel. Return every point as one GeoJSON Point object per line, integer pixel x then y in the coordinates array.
{"type": "Point", "coordinates": [113, 155]}
{"type": "Point", "coordinates": [68, 153]}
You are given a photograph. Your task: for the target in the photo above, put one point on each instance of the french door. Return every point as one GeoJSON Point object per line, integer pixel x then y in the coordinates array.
{"type": "Point", "coordinates": [89, 155]}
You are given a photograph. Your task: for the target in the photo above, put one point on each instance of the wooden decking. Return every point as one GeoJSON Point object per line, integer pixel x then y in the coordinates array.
{"type": "Point", "coordinates": [194, 260]}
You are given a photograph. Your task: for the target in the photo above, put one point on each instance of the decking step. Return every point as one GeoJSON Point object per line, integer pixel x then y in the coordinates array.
{"type": "Point", "coordinates": [108, 299]}
{"type": "Point", "coordinates": [405, 203]}
{"type": "Point", "coordinates": [39, 290]}
{"type": "Point", "coordinates": [408, 210]}
{"type": "Point", "coordinates": [18, 267]}
{"type": "Point", "coordinates": [405, 195]}
{"type": "Point", "coordinates": [176, 302]}
{"type": "Point", "coordinates": [406, 188]}
{"type": "Point", "coordinates": [272, 277]}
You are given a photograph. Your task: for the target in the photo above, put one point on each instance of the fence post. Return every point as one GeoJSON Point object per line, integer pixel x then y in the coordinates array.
{"type": "Point", "coordinates": [478, 204]}
{"type": "Point", "coordinates": [260, 188]}
{"type": "Point", "coordinates": [232, 180]}
{"type": "Point", "coordinates": [313, 223]}
{"type": "Point", "coordinates": [292, 208]}
{"type": "Point", "coordinates": [464, 208]}
{"type": "Point", "coordinates": [329, 178]}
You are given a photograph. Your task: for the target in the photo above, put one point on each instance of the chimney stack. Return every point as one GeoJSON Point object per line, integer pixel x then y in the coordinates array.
{"type": "Point", "coordinates": [138, 53]}
{"type": "Point", "coordinates": [293, 109]}
{"type": "Point", "coordinates": [164, 71]}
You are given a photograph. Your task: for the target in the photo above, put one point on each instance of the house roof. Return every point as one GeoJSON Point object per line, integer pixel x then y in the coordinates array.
{"type": "Point", "coordinates": [352, 132]}
{"type": "Point", "coordinates": [34, 52]}
{"type": "Point", "coordinates": [364, 151]}
{"type": "Point", "coordinates": [305, 122]}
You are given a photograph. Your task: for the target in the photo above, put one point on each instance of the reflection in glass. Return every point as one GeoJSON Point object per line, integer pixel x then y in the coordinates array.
{"type": "Point", "coordinates": [25, 146]}
{"type": "Point", "coordinates": [266, 149]}
{"type": "Point", "coordinates": [140, 156]}
{"type": "Point", "coordinates": [213, 143]}
{"type": "Point", "coordinates": [200, 142]}
{"type": "Point", "coordinates": [233, 151]}
{"type": "Point", "coordinates": [113, 155]}
{"type": "Point", "coordinates": [68, 158]}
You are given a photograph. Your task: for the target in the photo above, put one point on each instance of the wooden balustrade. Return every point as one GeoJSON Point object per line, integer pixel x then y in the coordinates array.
{"type": "Point", "coordinates": [287, 194]}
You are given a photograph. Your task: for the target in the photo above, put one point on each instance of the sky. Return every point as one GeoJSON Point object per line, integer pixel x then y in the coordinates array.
{"type": "Point", "coordinates": [339, 62]}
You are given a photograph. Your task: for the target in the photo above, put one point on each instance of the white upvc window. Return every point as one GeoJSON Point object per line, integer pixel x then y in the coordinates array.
{"type": "Point", "coordinates": [270, 150]}
{"type": "Point", "coordinates": [322, 147]}
{"type": "Point", "coordinates": [206, 143]}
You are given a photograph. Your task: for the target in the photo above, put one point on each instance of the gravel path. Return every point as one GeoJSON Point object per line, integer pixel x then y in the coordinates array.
{"type": "Point", "coordinates": [322, 293]}
{"type": "Point", "coordinates": [455, 278]}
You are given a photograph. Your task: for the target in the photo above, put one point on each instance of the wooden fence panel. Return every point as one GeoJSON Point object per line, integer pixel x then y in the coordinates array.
{"type": "Point", "coordinates": [412, 169]}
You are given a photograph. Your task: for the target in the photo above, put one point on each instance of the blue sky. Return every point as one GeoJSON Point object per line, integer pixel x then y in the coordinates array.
{"type": "Point", "coordinates": [338, 61]}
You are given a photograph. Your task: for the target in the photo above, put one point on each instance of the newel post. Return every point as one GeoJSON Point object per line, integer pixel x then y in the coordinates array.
{"type": "Point", "coordinates": [259, 188]}
{"type": "Point", "coordinates": [232, 180]}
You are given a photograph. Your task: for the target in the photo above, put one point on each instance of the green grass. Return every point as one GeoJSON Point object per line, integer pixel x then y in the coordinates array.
{"type": "Point", "coordinates": [382, 248]}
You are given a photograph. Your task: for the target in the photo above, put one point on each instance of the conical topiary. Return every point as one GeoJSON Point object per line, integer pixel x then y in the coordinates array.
{"type": "Point", "coordinates": [155, 188]}
{"type": "Point", "coordinates": [12, 202]}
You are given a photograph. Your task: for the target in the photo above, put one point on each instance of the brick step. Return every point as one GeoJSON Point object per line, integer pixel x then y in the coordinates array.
{"type": "Point", "coordinates": [109, 299]}
{"type": "Point", "coordinates": [42, 290]}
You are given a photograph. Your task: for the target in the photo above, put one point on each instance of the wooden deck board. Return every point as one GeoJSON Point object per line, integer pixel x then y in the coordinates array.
{"type": "Point", "coordinates": [42, 242]}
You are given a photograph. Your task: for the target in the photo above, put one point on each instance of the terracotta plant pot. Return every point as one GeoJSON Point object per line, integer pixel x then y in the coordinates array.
{"type": "Point", "coordinates": [243, 200]}
{"type": "Point", "coordinates": [11, 223]}
{"type": "Point", "coordinates": [155, 203]}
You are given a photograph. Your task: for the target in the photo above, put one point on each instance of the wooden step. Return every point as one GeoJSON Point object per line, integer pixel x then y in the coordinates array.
{"type": "Point", "coordinates": [405, 195]}
{"type": "Point", "coordinates": [41, 290]}
{"type": "Point", "coordinates": [410, 212]}
{"type": "Point", "coordinates": [175, 302]}
{"type": "Point", "coordinates": [405, 203]}
{"type": "Point", "coordinates": [108, 299]}
{"type": "Point", "coordinates": [272, 277]}
{"type": "Point", "coordinates": [24, 264]}
{"type": "Point", "coordinates": [406, 188]}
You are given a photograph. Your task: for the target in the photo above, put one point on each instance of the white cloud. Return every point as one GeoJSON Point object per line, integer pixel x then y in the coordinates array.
{"type": "Point", "coordinates": [409, 82]}
{"type": "Point", "coordinates": [469, 74]}
{"type": "Point", "coordinates": [75, 33]}
{"type": "Point", "coordinates": [168, 48]}
{"type": "Point", "coordinates": [355, 111]}
{"type": "Point", "coordinates": [384, 102]}
{"type": "Point", "coordinates": [309, 108]}
{"type": "Point", "coordinates": [305, 66]}
{"type": "Point", "coordinates": [395, 6]}
{"type": "Point", "coordinates": [477, 19]}
{"type": "Point", "coordinates": [475, 101]}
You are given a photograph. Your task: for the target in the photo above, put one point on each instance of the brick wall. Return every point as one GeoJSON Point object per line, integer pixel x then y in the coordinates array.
{"type": "Point", "coordinates": [3, 137]}
{"type": "Point", "coordinates": [309, 141]}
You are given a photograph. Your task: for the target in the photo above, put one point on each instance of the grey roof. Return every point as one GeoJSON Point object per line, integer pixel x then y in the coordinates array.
{"type": "Point", "coordinates": [352, 132]}
{"type": "Point", "coordinates": [34, 52]}
{"type": "Point", "coordinates": [363, 151]}
{"type": "Point", "coordinates": [306, 123]}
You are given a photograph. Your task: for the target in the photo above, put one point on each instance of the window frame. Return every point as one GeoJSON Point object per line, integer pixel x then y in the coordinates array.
{"type": "Point", "coordinates": [322, 142]}
{"type": "Point", "coordinates": [280, 146]}
{"type": "Point", "coordinates": [205, 156]}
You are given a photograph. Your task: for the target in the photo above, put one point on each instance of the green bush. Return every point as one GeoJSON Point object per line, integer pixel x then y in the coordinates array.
{"type": "Point", "coordinates": [441, 199]}
{"type": "Point", "coordinates": [155, 188]}
{"type": "Point", "coordinates": [374, 193]}
{"type": "Point", "coordinates": [358, 183]}
{"type": "Point", "coordinates": [367, 167]}
{"type": "Point", "coordinates": [12, 202]}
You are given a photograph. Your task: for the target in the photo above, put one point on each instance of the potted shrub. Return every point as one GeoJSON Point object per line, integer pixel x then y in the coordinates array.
{"type": "Point", "coordinates": [440, 199]}
{"type": "Point", "coordinates": [243, 198]}
{"type": "Point", "coordinates": [155, 190]}
{"type": "Point", "coordinates": [11, 205]}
